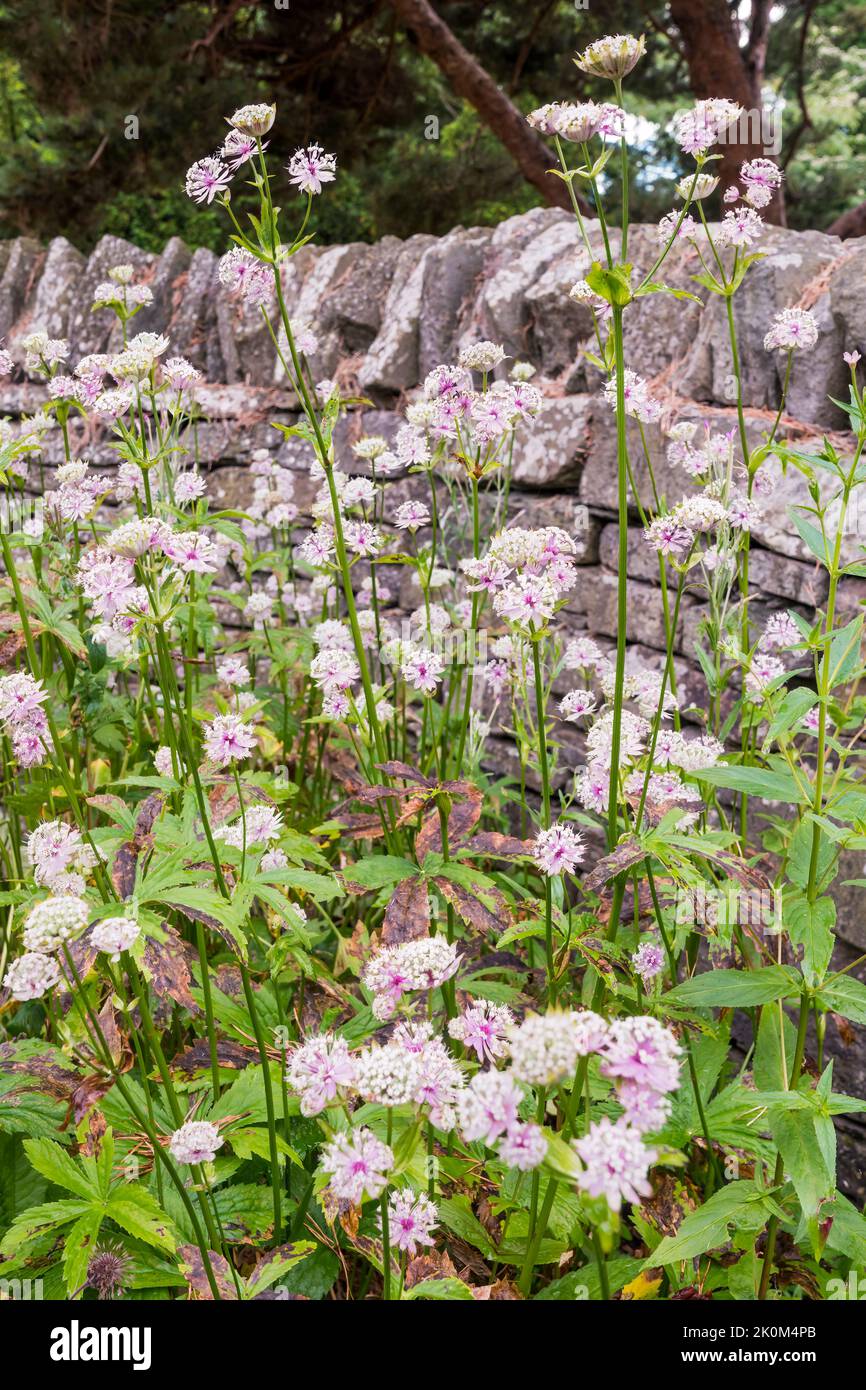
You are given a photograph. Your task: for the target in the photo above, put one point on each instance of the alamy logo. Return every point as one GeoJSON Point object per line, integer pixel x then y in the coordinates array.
{"type": "Point", "coordinates": [77, 1343]}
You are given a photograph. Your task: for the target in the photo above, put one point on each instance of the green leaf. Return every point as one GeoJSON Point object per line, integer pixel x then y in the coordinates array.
{"type": "Point", "coordinates": [456, 1214]}
{"type": "Point", "coordinates": [810, 925]}
{"type": "Point", "coordinates": [845, 996]}
{"type": "Point", "coordinates": [754, 781]}
{"type": "Point", "coordinates": [39, 1220]}
{"type": "Point", "coordinates": [379, 871]}
{"type": "Point", "coordinates": [138, 1212]}
{"type": "Point", "coordinates": [613, 285]}
{"type": "Point", "coordinates": [794, 706]}
{"type": "Point", "coordinates": [731, 989]}
{"type": "Point", "coordinates": [708, 1227]}
{"type": "Point", "coordinates": [275, 1264]}
{"type": "Point", "coordinates": [794, 1131]}
{"type": "Point", "coordinates": [444, 1290]}
{"type": "Point", "coordinates": [54, 1163]}
{"type": "Point", "coordinates": [78, 1246]}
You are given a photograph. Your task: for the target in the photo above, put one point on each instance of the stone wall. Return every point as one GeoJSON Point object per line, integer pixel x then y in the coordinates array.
{"type": "Point", "coordinates": [386, 314]}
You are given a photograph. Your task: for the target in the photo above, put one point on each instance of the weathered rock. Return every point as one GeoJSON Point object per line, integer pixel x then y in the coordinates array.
{"type": "Point", "coordinates": [550, 451]}
{"type": "Point", "coordinates": [391, 364]}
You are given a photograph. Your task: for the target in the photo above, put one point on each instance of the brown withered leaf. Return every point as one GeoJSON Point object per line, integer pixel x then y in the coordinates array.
{"type": "Point", "coordinates": [146, 816]}
{"type": "Point", "coordinates": [46, 1077]}
{"type": "Point", "coordinates": [503, 1291]}
{"type": "Point", "coordinates": [166, 964]}
{"type": "Point", "coordinates": [436, 1264]}
{"type": "Point", "coordinates": [407, 916]}
{"type": "Point", "coordinates": [495, 845]}
{"type": "Point", "coordinates": [228, 980]}
{"type": "Point", "coordinates": [10, 648]}
{"type": "Point", "coordinates": [409, 774]}
{"type": "Point", "coordinates": [108, 1022]}
{"type": "Point", "coordinates": [478, 915]}
{"type": "Point", "coordinates": [668, 1206]}
{"type": "Point", "coordinates": [87, 1095]}
{"type": "Point", "coordinates": [847, 1034]}
{"type": "Point", "coordinates": [193, 1270]}
{"type": "Point", "coordinates": [232, 1055]}
{"type": "Point", "coordinates": [96, 1127]}
{"type": "Point", "coordinates": [123, 869]}
{"type": "Point", "coordinates": [462, 819]}
{"type": "Point", "coordinates": [629, 852]}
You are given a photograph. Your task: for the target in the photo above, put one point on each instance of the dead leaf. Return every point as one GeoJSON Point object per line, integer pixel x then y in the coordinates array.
{"type": "Point", "coordinates": [407, 916]}
{"type": "Point", "coordinates": [167, 967]}
{"type": "Point", "coordinates": [193, 1270]}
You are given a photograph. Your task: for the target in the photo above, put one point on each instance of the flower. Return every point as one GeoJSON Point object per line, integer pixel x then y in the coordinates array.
{"type": "Point", "coordinates": [616, 1161]}
{"type": "Point", "coordinates": [411, 1218]}
{"type": "Point", "coordinates": [739, 228]}
{"type": "Point", "coordinates": [233, 670]}
{"type": "Point", "coordinates": [59, 856]}
{"type": "Point", "coordinates": [309, 168]}
{"type": "Point", "coordinates": [614, 56]}
{"type": "Point", "coordinates": [414, 965]}
{"type": "Point", "coordinates": [638, 402]}
{"type": "Point", "coordinates": [697, 130]}
{"type": "Point", "coordinates": [206, 178]}
{"type": "Point", "coordinates": [108, 1270]}
{"type": "Point", "coordinates": [410, 515]}
{"type": "Point", "coordinates": [358, 1165]}
{"type": "Point", "coordinates": [545, 1047]}
{"type": "Point", "coordinates": [481, 357]}
{"type": "Point", "coordinates": [763, 671]}
{"type": "Point", "coordinates": [422, 669]}
{"type": "Point", "coordinates": [641, 1049]}
{"type": "Point", "coordinates": [227, 740]}
{"type": "Point", "coordinates": [792, 328]}
{"type": "Point", "coordinates": [482, 1027]}
{"type": "Point", "coordinates": [114, 935]}
{"type": "Point", "coordinates": [31, 975]}
{"type": "Point", "coordinates": [195, 1142]}
{"type": "Point", "coordinates": [53, 921]}
{"type": "Point", "coordinates": [386, 1075]}
{"type": "Point", "coordinates": [523, 1147]}
{"type": "Point", "coordinates": [576, 704]}
{"type": "Point", "coordinates": [558, 849]}
{"type": "Point", "coordinates": [488, 1107]}
{"type": "Point", "coordinates": [761, 178]}
{"type": "Point", "coordinates": [648, 961]}
{"type": "Point", "coordinates": [254, 120]}
{"type": "Point", "coordinates": [697, 186]}
{"type": "Point", "coordinates": [780, 631]}
{"type": "Point", "coordinates": [320, 1070]}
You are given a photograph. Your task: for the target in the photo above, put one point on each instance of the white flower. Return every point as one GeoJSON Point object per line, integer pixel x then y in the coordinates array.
{"type": "Point", "coordinates": [195, 1142]}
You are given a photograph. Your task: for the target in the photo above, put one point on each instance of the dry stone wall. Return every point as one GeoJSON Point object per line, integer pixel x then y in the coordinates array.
{"type": "Point", "coordinates": [385, 314]}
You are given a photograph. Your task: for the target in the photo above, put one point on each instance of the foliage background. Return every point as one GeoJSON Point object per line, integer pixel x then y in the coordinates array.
{"type": "Point", "coordinates": [349, 74]}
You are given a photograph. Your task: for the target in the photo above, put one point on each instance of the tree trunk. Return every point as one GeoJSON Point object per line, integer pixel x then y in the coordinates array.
{"type": "Point", "coordinates": [720, 67]}
{"type": "Point", "coordinates": [470, 81]}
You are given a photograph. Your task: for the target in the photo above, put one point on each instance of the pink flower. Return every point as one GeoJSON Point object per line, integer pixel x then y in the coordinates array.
{"type": "Point", "coordinates": [195, 1142]}
{"type": "Point", "coordinates": [482, 1027]}
{"type": "Point", "coordinates": [648, 961]}
{"type": "Point", "coordinates": [206, 178]}
{"type": "Point", "coordinates": [309, 168]}
{"type": "Point", "coordinates": [558, 850]}
{"type": "Point", "coordinates": [358, 1165]}
{"type": "Point", "coordinates": [617, 1163]}
{"type": "Point", "coordinates": [320, 1070]}
{"type": "Point", "coordinates": [488, 1107]}
{"type": "Point", "coordinates": [411, 1218]}
{"type": "Point", "coordinates": [523, 1147]}
{"type": "Point", "coordinates": [641, 1049]}
{"type": "Point", "coordinates": [227, 740]}
{"type": "Point", "coordinates": [422, 669]}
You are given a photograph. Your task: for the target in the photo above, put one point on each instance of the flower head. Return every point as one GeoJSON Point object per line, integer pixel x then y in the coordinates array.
{"type": "Point", "coordinates": [411, 1218]}
{"type": "Point", "coordinates": [320, 1070]}
{"type": "Point", "coordinates": [195, 1142]}
{"type": "Point", "coordinates": [617, 1162]}
{"type": "Point", "coordinates": [613, 57]}
{"type": "Point", "coordinates": [357, 1165]}
{"type": "Point", "coordinates": [310, 168]}
{"type": "Point", "coordinates": [558, 849]}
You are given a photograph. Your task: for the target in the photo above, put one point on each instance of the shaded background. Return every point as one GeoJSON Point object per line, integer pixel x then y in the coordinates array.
{"type": "Point", "coordinates": [104, 104]}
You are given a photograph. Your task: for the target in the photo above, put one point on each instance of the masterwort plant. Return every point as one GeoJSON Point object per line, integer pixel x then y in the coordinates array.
{"type": "Point", "coordinates": [297, 996]}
